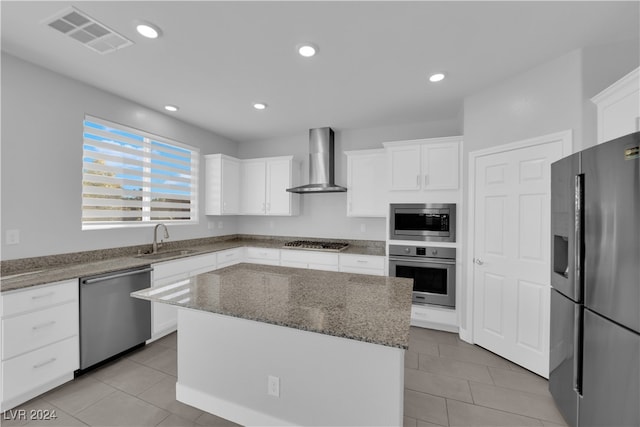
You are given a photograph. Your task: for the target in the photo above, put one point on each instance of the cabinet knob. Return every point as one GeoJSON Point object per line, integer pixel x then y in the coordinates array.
{"type": "Point", "coordinates": [478, 261]}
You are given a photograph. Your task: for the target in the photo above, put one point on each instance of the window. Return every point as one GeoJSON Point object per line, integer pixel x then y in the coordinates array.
{"type": "Point", "coordinates": [134, 178]}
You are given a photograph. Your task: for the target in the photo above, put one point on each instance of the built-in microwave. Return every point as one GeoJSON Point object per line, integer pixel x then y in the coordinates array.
{"type": "Point", "coordinates": [429, 222]}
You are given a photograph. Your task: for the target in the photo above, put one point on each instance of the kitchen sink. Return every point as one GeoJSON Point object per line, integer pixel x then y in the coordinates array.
{"type": "Point", "coordinates": [168, 254]}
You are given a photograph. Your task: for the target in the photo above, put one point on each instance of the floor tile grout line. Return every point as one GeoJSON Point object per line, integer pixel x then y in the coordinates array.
{"type": "Point", "coordinates": [541, 420]}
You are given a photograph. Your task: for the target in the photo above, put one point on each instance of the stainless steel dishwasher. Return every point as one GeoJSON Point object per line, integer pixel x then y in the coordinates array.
{"type": "Point", "coordinates": [111, 321]}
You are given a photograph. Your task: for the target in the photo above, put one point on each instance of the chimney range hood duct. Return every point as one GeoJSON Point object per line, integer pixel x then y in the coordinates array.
{"type": "Point", "coordinates": [321, 164]}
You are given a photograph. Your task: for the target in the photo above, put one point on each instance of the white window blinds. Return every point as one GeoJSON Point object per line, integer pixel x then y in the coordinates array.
{"type": "Point", "coordinates": [132, 178]}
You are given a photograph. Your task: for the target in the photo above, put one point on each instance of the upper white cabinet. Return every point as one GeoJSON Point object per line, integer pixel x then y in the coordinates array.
{"type": "Point", "coordinates": [619, 107]}
{"type": "Point", "coordinates": [366, 183]}
{"type": "Point", "coordinates": [263, 186]}
{"type": "Point", "coordinates": [222, 176]}
{"type": "Point", "coordinates": [251, 186]}
{"type": "Point", "coordinates": [424, 164]}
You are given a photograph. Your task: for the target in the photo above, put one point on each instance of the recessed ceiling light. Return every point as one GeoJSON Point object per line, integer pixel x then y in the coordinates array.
{"type": "Point", "coordinates": [259, 105]}
{"type": "Point", "coordinates": [148, 30]}
{"type": "Point", "coordinates": [307, 49]}
{"type": "Point", "coordinates": [172, 108]}
{"type": "Point", "coordinates": [436, 77]}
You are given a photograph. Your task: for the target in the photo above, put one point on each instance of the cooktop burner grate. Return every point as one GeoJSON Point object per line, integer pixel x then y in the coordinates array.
{"type": "Point", "coordinates": [317, 245]}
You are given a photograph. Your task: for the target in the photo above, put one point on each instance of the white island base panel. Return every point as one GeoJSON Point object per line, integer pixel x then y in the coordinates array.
{"type": "Point", "coordinates": [224, 366]}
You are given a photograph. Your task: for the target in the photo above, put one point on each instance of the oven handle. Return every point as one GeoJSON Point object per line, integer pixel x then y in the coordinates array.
{"type": "Point", "coordinates": [447, 261]}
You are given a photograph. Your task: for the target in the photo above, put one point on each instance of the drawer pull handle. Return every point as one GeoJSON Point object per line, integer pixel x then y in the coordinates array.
{"type": "Point", "coordinates": [48, 294]}
{"type": "Point", "coordinates": [44, 325]}
{"type": "Point", "coordinates": [46, 362]}
{"type": "Point", "coordinates": [362, 261]}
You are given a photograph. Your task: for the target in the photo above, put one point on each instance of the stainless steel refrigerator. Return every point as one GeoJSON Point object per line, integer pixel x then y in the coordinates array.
{"type": "Point", "coordinates": [595, 301]}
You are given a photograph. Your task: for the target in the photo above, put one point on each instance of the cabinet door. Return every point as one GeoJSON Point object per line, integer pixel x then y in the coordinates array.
{"type": "Point", "coordinates": [252, 187]}
{"type": "Point", "coordinates": [440, 167]}
{"type": "Point", "coordinates": [404, 165]}
{"type": "Point", "coordinates": [230, 187]}
{"type": "Point", "coordinates": [278, 200]}
{"type": "Point", "coordinates": [366, 181]}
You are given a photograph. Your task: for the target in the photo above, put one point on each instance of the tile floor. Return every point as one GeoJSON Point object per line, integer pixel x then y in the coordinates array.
{"type": "Point", "coordinates": [447, 383]}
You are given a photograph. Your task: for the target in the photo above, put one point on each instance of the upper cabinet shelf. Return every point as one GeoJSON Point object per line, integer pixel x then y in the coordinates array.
{"type": "Point", "coordinates": [424, 164]}
{"type": "Point", "coordinates": [619, 107]}
{"type": "Point", "coordinates": [251, 186]}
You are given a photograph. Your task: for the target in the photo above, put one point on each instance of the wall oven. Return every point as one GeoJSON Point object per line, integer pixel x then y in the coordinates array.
{"type": "Point", "coordinates": [432, 269]}
{"type": "Point", "coordinates": [435, 222]}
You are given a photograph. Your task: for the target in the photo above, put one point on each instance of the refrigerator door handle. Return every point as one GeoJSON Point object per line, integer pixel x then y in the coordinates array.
{"type": "Point", "coordinates": [577, 249]}
{"type": "Point", "coordinates": [577, 351]}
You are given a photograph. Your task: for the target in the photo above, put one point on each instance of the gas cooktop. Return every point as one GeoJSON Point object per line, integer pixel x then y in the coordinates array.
{"type": "Point", "coordinates": [316, 245]}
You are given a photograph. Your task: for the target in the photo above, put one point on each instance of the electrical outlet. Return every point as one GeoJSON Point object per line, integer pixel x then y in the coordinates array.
{"type": "Point", "coordinates": [273, 386]}
{"type": "Point", "coordinates": [220, 224]}
{"type": "Point", "coordinates": [12, 237]}
{"type": "Point", "coordinates": [210, 226]}
{"type": "Point", "coordinates": [363, 227]}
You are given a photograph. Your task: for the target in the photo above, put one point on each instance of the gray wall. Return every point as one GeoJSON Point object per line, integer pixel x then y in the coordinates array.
{"type": "Point", "coordinates": [324, 215]}
{"type": "Point", "coordinates": [42, 114]}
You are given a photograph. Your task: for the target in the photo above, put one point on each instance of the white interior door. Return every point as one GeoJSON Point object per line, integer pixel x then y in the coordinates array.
{"type": "Point", "coordinates": [511, 253]}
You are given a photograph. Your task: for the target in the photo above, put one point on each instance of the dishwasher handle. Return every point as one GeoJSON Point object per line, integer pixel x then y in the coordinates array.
{"type": "Point", "coordinates": [115, 276]}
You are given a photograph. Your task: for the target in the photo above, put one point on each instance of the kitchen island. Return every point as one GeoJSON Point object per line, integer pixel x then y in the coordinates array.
{"type": "Point", "coordinates": [270, 345]}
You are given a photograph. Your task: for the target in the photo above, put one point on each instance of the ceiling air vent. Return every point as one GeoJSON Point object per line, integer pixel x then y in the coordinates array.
{"type": "Point", "coordinates": [94, 35]}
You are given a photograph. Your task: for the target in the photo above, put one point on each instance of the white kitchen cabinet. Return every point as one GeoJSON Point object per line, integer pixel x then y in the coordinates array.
{"type": "Point", "coordinates": [222, 185]}
{"type": "Point", "coordinates": [619, 107]}
{"type": "Point", "coordinates": [362, 264]}
{"type": "Point", "coordinates": [263, 185]}
{"type": "Point", "coordinates": [267, 256]}
{"type": "Point", "coordinates": [424, 164]}
{"type": "Point", "coordinates": [164, 317]}
{"type": "Point", "coordinates": [253, 187]}
{"type": "Point", "coordinates": [309, 259]}
{"type": "Point", "coordinates": [40, 344]}
{"type": "Point", "coordinates": [229, 257]}
{"type": "Point", "coordinates": [366, 183]}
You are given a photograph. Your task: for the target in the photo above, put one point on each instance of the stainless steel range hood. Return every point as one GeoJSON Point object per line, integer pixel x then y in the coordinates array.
{"type": "Point", "coordinates": [321, 164]}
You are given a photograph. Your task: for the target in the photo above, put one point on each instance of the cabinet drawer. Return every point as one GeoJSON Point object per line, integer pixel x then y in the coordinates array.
{"type": "Point", "coordinates": [309, 257]}
{"type": "Point", "coordinates": [21, 301]}
{"type": "Point", "coordinates": [229, 257]}
{"type": "Point", "coordinates": [27, 332]}
{"type": "Point", "coordinates": [264, 255]}
{"type": "Point", "coordinates": [39, 367]}
{"type": "Point", "coordinates": [362, 261]}
{"type": "Point", "coordinates": [184, 265]}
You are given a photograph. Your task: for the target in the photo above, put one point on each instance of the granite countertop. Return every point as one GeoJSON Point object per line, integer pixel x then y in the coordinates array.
{"type": "Point", "coordinates": [24, 273]}
{"type": "Point", "coordinates": [373, 309]}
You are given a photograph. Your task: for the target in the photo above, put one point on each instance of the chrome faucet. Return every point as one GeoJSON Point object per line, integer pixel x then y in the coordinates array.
{"type": "Point", "coordinates": [157, 245]}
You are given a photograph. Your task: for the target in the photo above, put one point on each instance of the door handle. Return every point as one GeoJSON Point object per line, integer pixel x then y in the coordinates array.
{"type": "Point", "coordinates": [478, 261]}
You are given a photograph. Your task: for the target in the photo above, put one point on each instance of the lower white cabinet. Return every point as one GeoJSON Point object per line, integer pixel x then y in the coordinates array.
{"type": "Point", "coordinates": [40, 344]}
{"type": "Point", "coordinates": [229, 257]}
{"type": "Point", "coordinates": [164, 317]}
{"type": "Point", "coordinates": [266, 256]}
{"type": "Point", "coordinates": [362, 264]}
{"type": "Point", "coordinates": [309, 259]}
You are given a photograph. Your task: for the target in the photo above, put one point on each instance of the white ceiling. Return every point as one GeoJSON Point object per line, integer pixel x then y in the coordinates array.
{"type": "Point", "coordinates": [216, 58]}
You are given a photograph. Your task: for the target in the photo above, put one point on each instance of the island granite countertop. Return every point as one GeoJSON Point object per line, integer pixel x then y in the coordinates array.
{"type": "Point", "coordinates": [27, 272]}
{"type": "Point", "coordinates": [361, 307]}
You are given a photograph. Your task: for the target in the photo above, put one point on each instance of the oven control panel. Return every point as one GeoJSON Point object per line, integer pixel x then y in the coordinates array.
{"type": "Point", "coordinates": [422, 251]}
